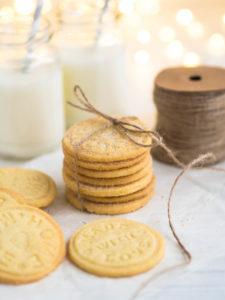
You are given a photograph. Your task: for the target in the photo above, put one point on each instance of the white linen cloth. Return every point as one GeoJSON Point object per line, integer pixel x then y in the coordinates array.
{"type": "Point", "coordinates": [198, 214]}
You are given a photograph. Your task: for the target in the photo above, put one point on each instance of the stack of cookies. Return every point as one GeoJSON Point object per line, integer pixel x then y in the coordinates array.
{"type": "Point", "coordinates": [104, 171]}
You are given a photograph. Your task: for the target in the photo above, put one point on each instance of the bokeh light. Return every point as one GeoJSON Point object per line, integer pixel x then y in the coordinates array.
{"type": "Point", "coordinates": [126, 7]}
{"type": "Point", "coordinates": [216, 44]}
{"type": "Point", "coordinates": [191, 59]}
{"type": "Point", "coordinates": [174, 50]}
{"type": "Point", "coordinates": [196, 30]}
{"type": "Point", "coordinates": [147, 7]}
{"type": "Point", "coordinates": [143, 36]}
{"type": "Point", "coordinates": [141, 57]}
{"type": "Point", "coordinates": [23, 7]}
{"type": "Point", "coordinates": [184, 17]}
{"type": "Point", "coordinates": [223, 18]}
{"type": "Point", "coordinates": [6, 14]}
{"type": "Point", "coordinates": [166, 34]}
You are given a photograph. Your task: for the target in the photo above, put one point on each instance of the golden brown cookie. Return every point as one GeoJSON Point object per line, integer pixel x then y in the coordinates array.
{"type": "Point", "coordinates": [126, 198]}
{"type": "Point", "coordinates": [32, 244]}
{"type": "Point", "coordinates": [116, 247]}
{"type": "Point", "coordinates": [100, 141]}
{"type": "Point", "coordinates": [36, 188]}
{"type": "Point", "coordinates": [109, 208]}
{"type": "Point", "coordinates": [104, 166]}
{"type": "Point", "coordinates": [109, 181]}
{"type": "Point", "coordinates": [108, 191]}
{"type": "Point", "coordinates": [124, 171]}
{"type": "Point", "coordinates": [9, 198]}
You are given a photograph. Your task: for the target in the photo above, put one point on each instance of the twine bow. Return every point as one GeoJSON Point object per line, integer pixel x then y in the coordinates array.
{"type": "Point", "coordinates": [126, 128]}
{"type": "Point", "coordinates": [129, 129]}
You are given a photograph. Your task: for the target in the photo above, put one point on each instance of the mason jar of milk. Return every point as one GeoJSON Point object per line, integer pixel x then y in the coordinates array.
{"type": "Point", "coordinates": [92, 56]}
{"type": "Point", "coordinates": [31, 96]}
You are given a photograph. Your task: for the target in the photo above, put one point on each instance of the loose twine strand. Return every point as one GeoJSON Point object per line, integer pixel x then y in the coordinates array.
{"type": "Point", "coordinates": [127, 129]}
{"type": "Point", "coordinates": [199, 160]}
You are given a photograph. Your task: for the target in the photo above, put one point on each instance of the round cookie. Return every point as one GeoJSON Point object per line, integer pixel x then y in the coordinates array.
{"type": "Point", "coordinates": [109, 208]}
{"type": "Point", "coordinates": [110, 181]}
{"type": "Point", "coordinates": [100, 141]}
{"type": "Point", "coordinates": [126, 198]}
{"type": "Point", "coordinates": [36, 188]}
{"type": "Point", "coordinates": [105, 166]}
{"type": "Point", "coordinates": [116, 247]}
{"type": "Point", "coordinates": [108, 191]}
{"type": "Point", "coordinates": [9, 198]}
{"type": "Point", "coordinates": [125, 171]}
{"type": "Point", "coordinates": [32, 244]}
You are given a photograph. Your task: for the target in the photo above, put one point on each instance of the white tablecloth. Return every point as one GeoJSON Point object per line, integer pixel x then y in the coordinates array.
{"type": "Point", "coordinates": [199, 216]}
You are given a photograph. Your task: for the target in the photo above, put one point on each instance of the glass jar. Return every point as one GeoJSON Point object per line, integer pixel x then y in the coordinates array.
{"type": "Point", "coordinates": [31, 98]}
{"type": "Point", "coordinates": [93, 56]}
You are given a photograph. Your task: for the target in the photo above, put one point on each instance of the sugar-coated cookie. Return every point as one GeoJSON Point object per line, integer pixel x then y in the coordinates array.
{"type": "Point", "coordinates": [99, 141]}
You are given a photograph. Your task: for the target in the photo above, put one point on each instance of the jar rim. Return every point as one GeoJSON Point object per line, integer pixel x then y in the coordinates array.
{"type": "Point", "coordinates": [20, 27]}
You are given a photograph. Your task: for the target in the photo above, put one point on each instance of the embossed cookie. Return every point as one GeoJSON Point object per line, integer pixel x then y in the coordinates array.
{"type": "Point", "coordinates": [32, 244]}
{"type": "Point", "coordinates": [109, 208]}
{"type": "Point", "coordinates": [99, 141]}
{"type": "Point", "coordinates": [9, 198]}
{"type": "Point", "coordinates": [126, 198]}
{"type": "Point", "coordinates": [108, 191]}
{"type": "Point", "coordinates": [110, 181]}
{"type": "Point", "coordinates": [116, 247]}
{"type": "Point", "coordinates": [119, 172]}
{"type": "Point", "coordinates": [105, 166]}
{"type": "Point", "coordinates": [36, 188]}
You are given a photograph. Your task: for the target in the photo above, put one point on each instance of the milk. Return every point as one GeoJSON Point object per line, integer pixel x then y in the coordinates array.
{"type": "Point", "coordinates": [100, 72]}
{"type": "Point", "coordinates": [31, 110]}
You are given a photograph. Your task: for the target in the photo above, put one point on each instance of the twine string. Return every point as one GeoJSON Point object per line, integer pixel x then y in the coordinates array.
{"type": "Point", "coordinates": [128, 130]}
{"type": "Point", "coordinates": [191, 123]}
{"type": "Point", "coordinates": [76, 166]}
{"type": "Point", "coordinates": [194, 163]}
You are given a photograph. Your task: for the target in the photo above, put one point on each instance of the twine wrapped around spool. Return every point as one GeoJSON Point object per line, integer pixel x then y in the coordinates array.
{"type": "Point", "coordinates": [191, 112]}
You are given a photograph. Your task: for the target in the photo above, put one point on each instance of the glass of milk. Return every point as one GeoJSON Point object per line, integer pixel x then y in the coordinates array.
{"type": "Point", "coordinates": [93, 57]}
{"type": "Point", "coordinates": [31, 97]}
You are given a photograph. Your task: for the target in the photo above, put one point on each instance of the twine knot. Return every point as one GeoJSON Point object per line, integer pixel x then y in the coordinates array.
{"type": "Point", "coordinates": [115, 122]}
{"type": "Point", "coordinates": [128, 129]}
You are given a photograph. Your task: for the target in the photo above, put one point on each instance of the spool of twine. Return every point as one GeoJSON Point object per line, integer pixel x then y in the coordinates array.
{"type": "Point", "coordinates": [191, 112]}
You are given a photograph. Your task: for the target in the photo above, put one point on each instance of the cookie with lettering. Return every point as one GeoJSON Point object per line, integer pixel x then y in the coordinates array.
{"type": "Point", "coordinates": [116, 247]}
{"type": "Point", "coordinates": [99, 141]}
{"type": "Point", "coordinates": [36, 188]}
{"type": "Point", "coordinates": [9, 198]}
{"type": "Point", "coordinates": [32, 244]}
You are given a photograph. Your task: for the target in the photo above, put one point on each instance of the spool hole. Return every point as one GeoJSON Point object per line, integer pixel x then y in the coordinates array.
{"type": "Point", "coordinates": [195, 77]}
